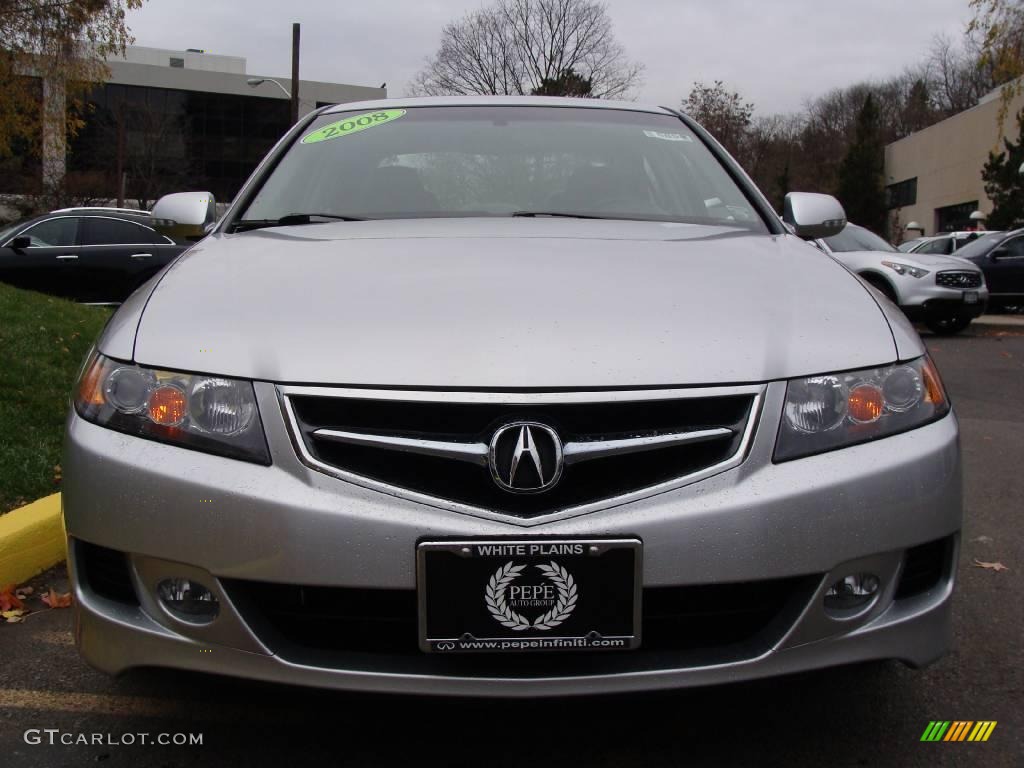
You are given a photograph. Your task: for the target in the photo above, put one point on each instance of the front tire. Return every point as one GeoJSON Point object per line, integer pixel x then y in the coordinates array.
{"type": "Point", "coordinates": [947, 325]}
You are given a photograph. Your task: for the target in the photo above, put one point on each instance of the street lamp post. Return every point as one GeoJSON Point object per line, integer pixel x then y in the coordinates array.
{"type": "Point", "coordinates": [255, 82]}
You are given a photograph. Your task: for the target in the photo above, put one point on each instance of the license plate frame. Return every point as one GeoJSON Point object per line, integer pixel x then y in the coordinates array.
{"type": "Point", "coordinates": [971, 297]}
{"type": "Point", "coordinates": [594, 604]}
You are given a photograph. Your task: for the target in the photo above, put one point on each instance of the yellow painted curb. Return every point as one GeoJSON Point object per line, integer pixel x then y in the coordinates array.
{"type": "Point", "coordinates": [31, 540]}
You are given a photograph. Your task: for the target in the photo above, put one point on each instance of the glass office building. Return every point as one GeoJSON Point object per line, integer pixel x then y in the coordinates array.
{"type": "Point", "coordinates": [174, 121]}
{"type": "Point", "coordinates": [173, 139]}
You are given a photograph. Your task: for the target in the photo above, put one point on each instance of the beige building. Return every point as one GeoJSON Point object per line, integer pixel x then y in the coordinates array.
{"type": "Point", "coordinates": [933, 177]}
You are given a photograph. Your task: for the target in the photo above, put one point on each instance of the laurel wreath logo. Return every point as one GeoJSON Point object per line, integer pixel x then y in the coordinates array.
{"type": "Point", "coordinates": [494, 596]}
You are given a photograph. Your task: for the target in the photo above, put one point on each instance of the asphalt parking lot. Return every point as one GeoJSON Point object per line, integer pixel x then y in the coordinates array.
{"type": "Point", "coordinates": [857, 716]}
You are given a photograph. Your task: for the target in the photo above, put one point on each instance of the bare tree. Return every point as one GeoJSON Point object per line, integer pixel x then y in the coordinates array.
{"type": "Point", "coordinates": [957, 75]}
{"type": "Point", "coordinates": [723, 112]}
{"type": "Point", "coordinates": [514, 47]}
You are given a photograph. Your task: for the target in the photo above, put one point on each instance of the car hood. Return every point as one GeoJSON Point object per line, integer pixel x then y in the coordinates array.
{"type": "Point", "coordinates": [933, 261]}
{"type": "Point", "coordinates": [509, 303]}
{"type": "Point", "coordinates": [929, 261]}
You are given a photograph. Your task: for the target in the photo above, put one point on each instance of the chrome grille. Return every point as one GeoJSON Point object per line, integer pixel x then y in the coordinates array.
{"type": "Point", "coordinates": [958, 279]}
{"type": "Point", "coordinates": [433, 446]}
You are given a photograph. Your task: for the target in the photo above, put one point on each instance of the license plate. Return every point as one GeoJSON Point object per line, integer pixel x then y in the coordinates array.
{"type": "Point", "coordinates": [514, 596]}
{"type": "Point", "coordinates": [970, 297]}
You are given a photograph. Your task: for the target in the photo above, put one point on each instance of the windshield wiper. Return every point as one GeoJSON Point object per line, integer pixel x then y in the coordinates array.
{"type": "Point", "coordinates": [290, 220]}
{"type": "Point", "coordinates": [557, 214]}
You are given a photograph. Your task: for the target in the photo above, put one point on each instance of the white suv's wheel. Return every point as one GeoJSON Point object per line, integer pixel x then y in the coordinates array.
{"type": "Point", "coordinates": [947, 325]}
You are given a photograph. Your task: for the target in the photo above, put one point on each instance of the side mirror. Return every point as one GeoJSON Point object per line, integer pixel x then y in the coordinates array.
{"type": "Point", "coordinates": [21, 242]}
{"type": "Point", "coordinates": [812, 215]}
{"type": "Point", "coordinates": [1000, 252]}
{"type": "Point", "coordinates": [185, 215]}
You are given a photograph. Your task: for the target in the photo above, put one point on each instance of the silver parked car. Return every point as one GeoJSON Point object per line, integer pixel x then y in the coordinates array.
{"type": "Point", "coordinates": [946, 243]}
{"type": "Point", "coordinates": [510, 397]}
{"type": "Point", "coordinates": [944, 292]}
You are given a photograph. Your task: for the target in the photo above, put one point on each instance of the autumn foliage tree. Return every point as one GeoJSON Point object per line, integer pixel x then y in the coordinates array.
{"type": "Point", "coordinates": [519, 47]}
{"type": "Point", "coordinates": [53, 43]}
{"type": "Point", "coordinates": [1000, 26]}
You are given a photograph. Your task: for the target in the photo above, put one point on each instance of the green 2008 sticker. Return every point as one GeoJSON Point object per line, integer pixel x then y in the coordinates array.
{"type": "Point", "coordinates": [352, 124]}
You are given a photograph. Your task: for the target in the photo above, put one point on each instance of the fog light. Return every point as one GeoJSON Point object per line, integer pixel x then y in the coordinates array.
{"type": "Point", "coordinates": [851, 592]}
{"type": "Point", "coordinates": [188, 600]}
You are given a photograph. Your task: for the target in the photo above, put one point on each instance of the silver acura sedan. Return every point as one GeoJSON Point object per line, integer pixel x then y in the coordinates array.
{"type": "Point", "coordinates": [509, 397]}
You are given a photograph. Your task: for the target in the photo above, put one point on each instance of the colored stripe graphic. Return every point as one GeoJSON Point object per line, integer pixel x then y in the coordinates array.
{"type": "Point", "coordinates": [935, 730]}
{"type": "Point", "coordinates": [958, 730]}
{"type": "Point", "coordinates": [982, 730]}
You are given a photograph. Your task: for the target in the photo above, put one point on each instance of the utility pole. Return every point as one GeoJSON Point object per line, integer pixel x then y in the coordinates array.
{"type": "Point", "coordinates": [295, 73]}
{"type": "Point", "coordinates": [120, 155]}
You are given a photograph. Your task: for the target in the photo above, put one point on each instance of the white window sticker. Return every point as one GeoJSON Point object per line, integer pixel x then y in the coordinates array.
{"type": "Point", "coordinates": [668, 136]}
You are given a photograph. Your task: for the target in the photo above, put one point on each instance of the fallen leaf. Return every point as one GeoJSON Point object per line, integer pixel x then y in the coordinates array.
{"type": "Point", "coordinates": [990, 566]}
{"type": "Point", "coordinates": [13, 617]}
{"type": "Point", "coordinates": [54, 600]}
{"type": "Point", "coordinates": [9, 601]}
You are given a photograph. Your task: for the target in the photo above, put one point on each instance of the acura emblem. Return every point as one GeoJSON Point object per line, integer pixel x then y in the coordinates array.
{"type": "Point", "coordinates": [525, 457]}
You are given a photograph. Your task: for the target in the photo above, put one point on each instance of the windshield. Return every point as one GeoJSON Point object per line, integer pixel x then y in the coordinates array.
{"type": "Point", "coordinates": [982, 245]}
{"type": "Point", "coordinates": [854, 238]}
{"type": "Point", "coordinates": [10, 229]}
{"type": "Point", "coordinates": [501, 161]}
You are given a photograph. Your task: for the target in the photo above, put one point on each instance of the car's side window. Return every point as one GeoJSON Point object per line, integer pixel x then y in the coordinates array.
{"type": "Point", "coordinates": [935, 246]}
{"type": "Point", "coordinates": [59, 232]}
{"type": "Point", "coordinates": [106, 231]}
{"type": "Point", "coordinates": [1014, 248]}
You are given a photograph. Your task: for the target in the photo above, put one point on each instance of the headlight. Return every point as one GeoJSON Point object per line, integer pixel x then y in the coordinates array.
{"type": "Point", "coordinates": [822, 413]}
{"type": "Point", "coordinates": [207, 413]}
{"type": "Point", "coordinates": [905, 269]}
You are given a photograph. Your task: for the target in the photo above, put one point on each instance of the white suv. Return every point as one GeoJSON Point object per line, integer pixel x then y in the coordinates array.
{"type": "Point", "coordinates": [945, 292]}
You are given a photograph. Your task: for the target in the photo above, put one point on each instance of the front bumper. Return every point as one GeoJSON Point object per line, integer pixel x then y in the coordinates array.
{"type": "Point", "coordinates": [919, 300]}
{"type": "Point", "coordinates": [180, 513]}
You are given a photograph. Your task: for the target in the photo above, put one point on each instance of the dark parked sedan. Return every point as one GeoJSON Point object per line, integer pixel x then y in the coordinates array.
{"type": "Point", "coordinates": [86, 254]}
{"type": "Point", "coordinates": [1000, 255]}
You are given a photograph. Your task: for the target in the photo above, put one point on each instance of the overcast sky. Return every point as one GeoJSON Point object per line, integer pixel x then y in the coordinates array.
{"type": "Point", "coordinates": [777, 53]}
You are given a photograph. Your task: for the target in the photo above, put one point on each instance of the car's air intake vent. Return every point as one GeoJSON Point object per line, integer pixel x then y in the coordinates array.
{"type": "Point", "coordinates": [923, 567]}
{"type": "Point", "coordinates": [106, 572]}
{"type": "Point", "coordinates": [958, 279]}
{"type": "Point", "coordinates": [735, 620]}
{"type": "Point", "coordinates": [577, 449]}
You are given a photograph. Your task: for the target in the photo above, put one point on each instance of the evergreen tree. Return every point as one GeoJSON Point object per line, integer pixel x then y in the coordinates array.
{"type": "Point", "coordinates": [783, 183]}
{"type": "Point", "coordinates": [568, 83]}
{"type": "Point", "coordinates": [1004, 184]}
{"type": "Point", "coordinates": [917, 111]}
{"type": "Point", "coordinates": [861, 174]}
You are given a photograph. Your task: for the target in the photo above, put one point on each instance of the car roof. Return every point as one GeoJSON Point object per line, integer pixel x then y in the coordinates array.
{"type": "Point", "coordinates": [493, 101]}
{"type": "Point", "coordinates": [135, 217]}
{"type": "Point", "coordinates": [962, 233]}
{"type": "Point", "coordinates": [102, 209]}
